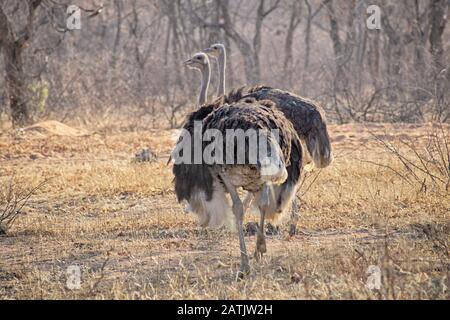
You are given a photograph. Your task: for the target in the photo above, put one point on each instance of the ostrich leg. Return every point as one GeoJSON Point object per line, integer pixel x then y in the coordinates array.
{"type": "Point", "coordinates": [260, 237]}
{"type": "Point", "coordinates": [248, 201]}
{"type": "Point", "coordinates": [238, 210]}
{"type": "Point", "coordinates": [294, 217]}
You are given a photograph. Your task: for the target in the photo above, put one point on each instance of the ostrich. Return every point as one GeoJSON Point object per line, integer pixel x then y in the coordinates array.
{"type": "Point", "coordinates": [306, 116]}
{"type": "Point", "coordinates": [200, 62]}
{"type": "Point", "coordinates": [272, 179]}
{"type": "Point", "coordinates": [219, 53]}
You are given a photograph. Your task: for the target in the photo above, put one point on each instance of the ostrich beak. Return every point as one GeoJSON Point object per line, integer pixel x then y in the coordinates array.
{"type": "Point", "coordinates": [207, 50]}
{"type": "Point", "coordinates": [188, 62]}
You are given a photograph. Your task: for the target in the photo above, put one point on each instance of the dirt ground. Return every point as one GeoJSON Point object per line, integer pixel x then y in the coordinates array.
{"type": "Point", "coordinates": [118, 221]}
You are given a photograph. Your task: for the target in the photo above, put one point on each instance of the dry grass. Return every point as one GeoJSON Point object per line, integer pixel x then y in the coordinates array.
{"type": "Point", "coordinates": [119, 221]}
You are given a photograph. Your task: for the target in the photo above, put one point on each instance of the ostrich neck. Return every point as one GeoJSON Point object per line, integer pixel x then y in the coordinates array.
{"type": "Point", "coordinates": [222, 67]}
{"type": "Point", "coordinates": [206, 75]}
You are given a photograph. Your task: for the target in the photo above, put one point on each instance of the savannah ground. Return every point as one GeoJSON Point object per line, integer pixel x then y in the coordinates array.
{"type": "Point", "coordinates": [120, 222]}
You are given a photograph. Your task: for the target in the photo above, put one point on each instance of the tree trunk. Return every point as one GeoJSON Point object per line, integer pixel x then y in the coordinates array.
{"type": "Point", "coordinates": [294, 21]}
{"type": "Point", "coordinates": [13, 47]}
{"type": "Point", "coordinates": [250, 54]}
{"type": "Point", "coordinates": [308, 32]}
{"type": "Point", "coordinates": [343, 50]}
{"type": "Point", "coordinates": [394, 53]}
{"type": "Point", "coordinates": [334, 35]}
{"type": "Point", "coordinates": [374, 58]}
{"type": "Point", "coordinates": [361, 47]}
{"type": "Point", "coordinates": [308, 35]}
{"type": "Point", "coordinates": [257, 42]}
{"type": "Point", "coordinates": [118, 7]}
{"type": "Point", "coordinates": [242, 45]}
{"type": "Point", "coordinates": [438, 11]}
{"type": "Point", "coordinates": [419, 40]}
{"type": "Point", "coordinates": [12, 55]}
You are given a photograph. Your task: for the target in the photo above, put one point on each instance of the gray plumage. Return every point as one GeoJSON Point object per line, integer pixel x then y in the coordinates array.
{"type": "Point", "coordinates": [307, 117]}
{"type": "Point", "coordinates": [262, 117]}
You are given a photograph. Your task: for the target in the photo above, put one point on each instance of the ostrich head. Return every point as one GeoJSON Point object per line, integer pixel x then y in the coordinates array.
{"type": "Point", "coordinates": [216, 50]}
{"type": "Point", "coordinates": [199, 61]}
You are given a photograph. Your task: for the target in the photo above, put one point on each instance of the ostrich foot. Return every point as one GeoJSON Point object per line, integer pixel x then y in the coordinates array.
{"type": "Point", "coordinates": [243, 272]}
{"type": "Point", "coordinates": [292, 230]}
{"type": "Point", "coordinates": [260, 248]}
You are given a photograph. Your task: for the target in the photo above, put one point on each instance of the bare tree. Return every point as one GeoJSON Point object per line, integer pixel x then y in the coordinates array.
{"type": "Point", "coordinates": [13, 43]}
{"type": "Point", "coordinates": [130, 57]}
{"type": "Point", "coordinates": [438, 18]}
{"type": "Point", "coordinates": [249, 51]}
{"type": "Point", "coordinates": [295, 9]}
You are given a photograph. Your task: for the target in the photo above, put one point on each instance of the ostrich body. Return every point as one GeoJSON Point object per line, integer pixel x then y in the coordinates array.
{"type": "Point", "coordinates": [307, 117]}
{"type": "Point", "coordinates": [204, 186]}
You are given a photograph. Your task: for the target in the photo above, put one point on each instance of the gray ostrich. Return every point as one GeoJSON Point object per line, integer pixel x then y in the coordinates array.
{"type": "Point", "coordinates": [272, 179]}
{"type": "Point", "coordinates": [306, 116]}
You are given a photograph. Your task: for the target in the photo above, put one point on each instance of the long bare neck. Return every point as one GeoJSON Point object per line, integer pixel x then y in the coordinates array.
{"type": "Point", "coordinates": [206, 77]}
{"type": "Point", "coordinates": [222, 62]}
